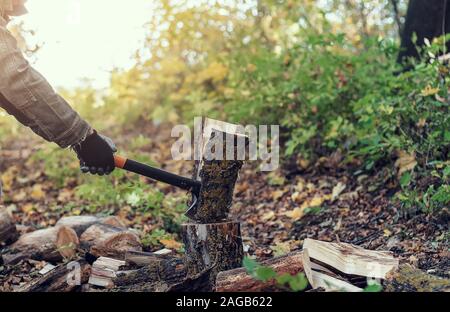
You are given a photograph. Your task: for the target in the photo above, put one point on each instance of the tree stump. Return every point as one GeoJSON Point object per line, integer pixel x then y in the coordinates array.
{"type": "Point", "coordinates": [215, 245]}
{"type": "Point", "coordinates": [8, 231]}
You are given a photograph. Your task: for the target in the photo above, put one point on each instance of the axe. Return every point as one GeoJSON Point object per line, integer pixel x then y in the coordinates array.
{"type": "Point", "coordinates": [162, 176]}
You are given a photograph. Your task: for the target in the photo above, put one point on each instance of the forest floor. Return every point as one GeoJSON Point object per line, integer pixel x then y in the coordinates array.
{"type": "Point", "coordinates": [328, 200]}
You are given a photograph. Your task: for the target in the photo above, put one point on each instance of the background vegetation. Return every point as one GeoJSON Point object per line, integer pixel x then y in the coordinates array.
{"type": "Point", "coordinates": [326, 71]}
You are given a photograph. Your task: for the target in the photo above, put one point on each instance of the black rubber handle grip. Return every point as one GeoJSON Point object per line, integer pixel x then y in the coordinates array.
{"type": "Point", "coordinates": [158, 174]}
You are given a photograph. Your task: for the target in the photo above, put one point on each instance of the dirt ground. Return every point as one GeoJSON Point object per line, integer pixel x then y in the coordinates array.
{"type": "Point", "coordinates": [327, 200]}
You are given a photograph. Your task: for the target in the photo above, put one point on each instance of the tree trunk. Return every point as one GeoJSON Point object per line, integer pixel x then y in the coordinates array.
{"type": "Point", "coordinates": [427, 19]}
{"type": "Point", "coordinates": [216, 245]}
{"type": "Point", "coordinates": [103, 240]}
{"type": "Point", "coordinates": [409, 279]}
{"type": "Point", "coordinates": [47, 244]}
{"type": "Point", "coordinates": [8, 231]}
{"type": "Point", "coordinates": [238, 280]}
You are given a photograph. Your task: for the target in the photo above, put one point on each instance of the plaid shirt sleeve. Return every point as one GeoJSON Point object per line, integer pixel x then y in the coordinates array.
{"type": "Point", "coordinates": [26, 94]}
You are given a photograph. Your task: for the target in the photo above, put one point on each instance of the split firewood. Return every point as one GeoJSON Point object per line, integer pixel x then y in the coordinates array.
{"type": "Point", "coordinates": [51, 244]}
{"type": "Point", "coordinates": [217, 172]}
{"type": "Point", "coordinates": [238, 280]}
{"type": "Point", "coordinates": [351, 259]}
{"type": "Point", "coordinates": [63, 278]}
{"type": "Point", "coordinates": [339, 266]}
{"type": "Point", "coordinates": [82, 223]}
{"type": "Point", "coordinates": [104, 271]}
{"type": "Point", "coordinates": [216, 245]}
{"type": "Point", "coordinates": [8, 231]}
{"type": "Point", "coordinates": [109, 241]}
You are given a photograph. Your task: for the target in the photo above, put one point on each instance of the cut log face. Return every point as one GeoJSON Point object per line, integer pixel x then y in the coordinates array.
{"type": "Point", "coordinates": [109, 241]}
{"type": "Point", "coordinates": [42, 245]}
{"type": "Point", "coordinates": [67, 242]}
{"type": "Point", "coordinates": [238, 280]}
{"type": "Point", "coordinates": [217, 246]}
{"type": "Point", "coordinates": [8, 231]}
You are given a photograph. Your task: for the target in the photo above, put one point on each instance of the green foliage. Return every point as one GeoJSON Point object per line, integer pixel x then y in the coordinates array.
{"type": "Point", "coordinates": [373, 286]}
{"type": "Point", "coordinates": [296, 282]}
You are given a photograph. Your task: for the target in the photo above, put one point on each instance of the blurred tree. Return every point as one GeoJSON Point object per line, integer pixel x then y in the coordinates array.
{"type": "Point", "coordinates": [425, 20]}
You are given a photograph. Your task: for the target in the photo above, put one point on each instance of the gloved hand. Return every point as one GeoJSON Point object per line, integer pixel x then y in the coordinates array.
{"type": "Point", "coordinates": [96, 154]}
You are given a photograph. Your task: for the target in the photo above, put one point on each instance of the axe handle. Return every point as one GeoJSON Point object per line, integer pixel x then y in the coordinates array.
{"type": "Point", "coordinates": [156, 174]}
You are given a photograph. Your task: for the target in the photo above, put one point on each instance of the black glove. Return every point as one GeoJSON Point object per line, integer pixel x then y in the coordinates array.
{"type": "Point", "coordinates": [96, 154]}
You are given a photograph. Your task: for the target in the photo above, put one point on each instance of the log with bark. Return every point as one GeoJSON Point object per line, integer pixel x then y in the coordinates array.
{"type": "Point", "coordinates": [151, 278]}
{"type": "Point", "coordinates": [239, 280]}
{"type": "Point", "coordinates": [50, 244]}
{"type": "Point", "coordinates": [216, 245]}
{"type": "Point", "coordinates": [8, 231]}
{"type": "Point", "coordinates": [221, 148]}
{"type": "Point", "coordinates": [409, 279]}
{"type": "Point", "coordinates": [109, 241]}
{"type": "Point", "coordinates": [140, 258]}
{"type": "Point", "coordinates": [64, 278]}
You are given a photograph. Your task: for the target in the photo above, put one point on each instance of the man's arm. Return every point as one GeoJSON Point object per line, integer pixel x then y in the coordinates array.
{"type": "Point", "coordinates": [31, 99]}
{"type": "Point", "coordinates": [26, 95]}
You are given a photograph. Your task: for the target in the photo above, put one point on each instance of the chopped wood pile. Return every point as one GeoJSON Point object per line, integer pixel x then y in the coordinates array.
{"type": "Point", "coordinates": [92, 254]}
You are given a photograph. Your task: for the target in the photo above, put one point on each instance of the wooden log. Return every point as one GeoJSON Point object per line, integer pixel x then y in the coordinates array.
{"type": "Point", "coordinates": [151, 278]}
{"type": "Point", "coordinates": [218, 170]}
{"type": "Point", "coordinates": [238, 280]}
{"type": "Point", "coordinates": [216, 246]}
{"type": "Point", "coordinates": [48, 244]}
{"type": "Point", "coordinates": [64, 278]}
{"type": "Point", "coordinates": [140, 259]}
{"type": "Point", "coordinates": [8, 231]}
{"type": "Point", "coordinates": [409, 279]}
{"type": "Point", "coordinates": [109, 241]}
{"type": "Point", "coordinates": [82, 223]}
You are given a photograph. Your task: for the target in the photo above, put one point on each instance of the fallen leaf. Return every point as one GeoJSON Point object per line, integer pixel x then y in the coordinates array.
{"type": "Point", "coordinates": [268, 215]}
{"type": "Point", "coordinates": [337, 190]}
{"type": "Point", "coordinates": [171, 244]}
{"type": "Point", "coordinates": [296, 214]}
{"type": "Point", "coordinates": [429, 91]}
{"type": "Point", "coordinates": [37, 193]}
{"type": "Point", "coordinates": [281, 249]}
{"type": "Point", "coordinates": [277, 194]}
{"type": "Point", "coordinates": [405, 162]}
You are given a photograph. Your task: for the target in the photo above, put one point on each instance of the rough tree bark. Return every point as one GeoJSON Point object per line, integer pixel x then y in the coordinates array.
{"type": "Point", "coordinates": [216, 245]}
{"type": "Point", "coordinates": [427, 19]}
{"type": "Point", "coordinates": [8, 231]}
